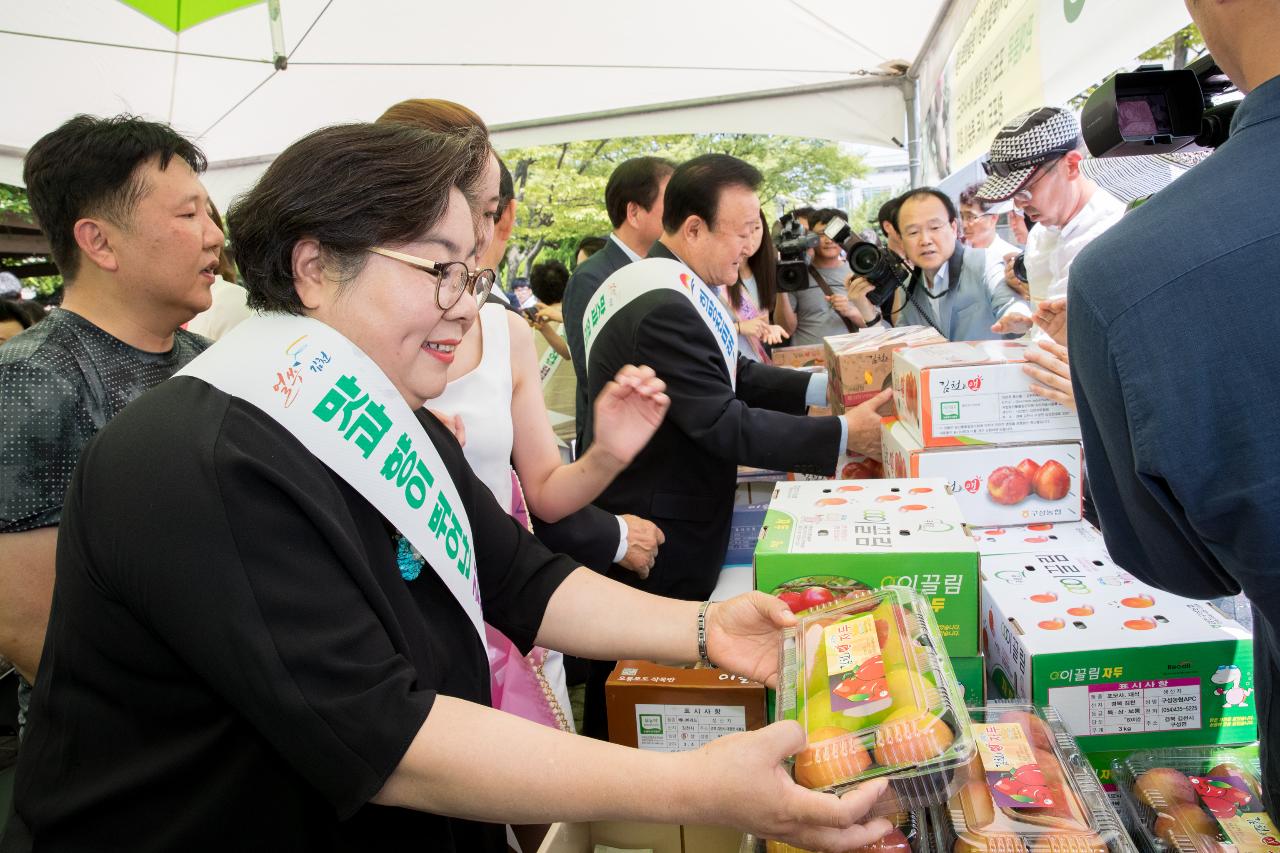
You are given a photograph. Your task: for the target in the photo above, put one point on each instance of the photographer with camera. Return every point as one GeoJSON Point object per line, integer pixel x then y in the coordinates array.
{"type": "Point", "coordinates": [821, 308]}
{"type": "Point", "coordinates": [960, 292]}
{"type": "Point", "coordinates": [1177, 404]}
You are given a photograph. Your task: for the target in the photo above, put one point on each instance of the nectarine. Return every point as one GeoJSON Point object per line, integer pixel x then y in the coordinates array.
{"type": "Point", "coordinates": [1008, 485]}
{"type": "Point", "coordinates": [833, 757]}
{"type": "Point", "coordinates": [1052, 482]}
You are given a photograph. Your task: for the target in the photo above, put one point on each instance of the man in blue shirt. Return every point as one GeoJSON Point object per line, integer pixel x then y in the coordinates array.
{"type": "Point", "coordinates": [1178, 401]}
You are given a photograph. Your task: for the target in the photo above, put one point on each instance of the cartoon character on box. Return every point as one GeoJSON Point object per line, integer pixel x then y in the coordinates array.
{"type": "Point", "coordinates": [1235, 695]}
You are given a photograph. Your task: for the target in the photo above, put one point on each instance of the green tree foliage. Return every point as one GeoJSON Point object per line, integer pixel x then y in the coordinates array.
{"type": "Point", "coordinates": [1176, 51]}
{"type": "Point", "coordinates": [560, 188]}
{"type": "Point", "coordinates": [1181, 47]}
{"type": "Point", "coordinates": [14, 201]}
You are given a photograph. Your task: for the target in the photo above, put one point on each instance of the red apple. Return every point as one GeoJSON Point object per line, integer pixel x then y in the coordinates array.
{"type": "Point", "coordinates": [1029, 467]}
{"type": "Point", "coordinates": [1029, 774]}
{"type": "Point", "coordinates": [1008, 485]}
{"type": "Point", "coordinates": [1008, 786]}
{"type": "Point", "coordinates": [793, 600]}
{"type": "Point", "coordinates": [816, 596]}
{"type": "Point", "coordinates": [1052, 482]}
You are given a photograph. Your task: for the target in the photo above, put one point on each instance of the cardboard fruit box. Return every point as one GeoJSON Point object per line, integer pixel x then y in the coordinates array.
{"type": "Point", "coordinates": [874, 533]}
{"type": "Point", "coordinates": [1127, 666]}
{"type": "Point", "coordinates": [859, 365]}
{"type": "Point", "coordinates": [974, 393]}
{"type": "Point", "coordinates": [994, 483]}
{"type": "Point", "coordinates": [809, 355]}
{"type": "Point", "coordinates": [1040, 536]}
{"type": "Point", "coordinates": [676, 708]}
{"type": "Point", "coordinates": [971, 675]}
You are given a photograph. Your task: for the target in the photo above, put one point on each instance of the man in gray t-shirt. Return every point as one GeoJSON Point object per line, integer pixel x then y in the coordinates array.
{"type": "Point", "coordinates": [129, 227]}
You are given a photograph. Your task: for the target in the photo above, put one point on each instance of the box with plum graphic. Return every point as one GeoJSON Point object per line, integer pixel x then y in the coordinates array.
{"type": "Point", "coordinates": [995, 484]}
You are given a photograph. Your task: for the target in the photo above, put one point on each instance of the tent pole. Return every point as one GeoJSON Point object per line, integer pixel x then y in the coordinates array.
{"type": "Point", "coordinates": [911, 95]}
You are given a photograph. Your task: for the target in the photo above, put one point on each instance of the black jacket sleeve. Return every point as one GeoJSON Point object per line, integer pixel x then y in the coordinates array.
{"type": "Point", "coordinates": [763, 386]}
{"type": "Point", "coordinates": [590, 536]}
{"type": "Point", "coordinates": [672, 340]}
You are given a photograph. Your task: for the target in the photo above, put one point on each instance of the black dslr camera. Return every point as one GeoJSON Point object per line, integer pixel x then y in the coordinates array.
{"type": "Point", "coordinates": [793, 243]}
{"type": "Point", "coordinates": [881, 267]}
{"type": "Point", "coordinates": [877, 265]}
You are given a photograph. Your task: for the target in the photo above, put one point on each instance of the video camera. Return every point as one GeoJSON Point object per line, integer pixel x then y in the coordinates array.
{"type": "Point", "coordinates": [1154, 111]}
{"type": "Point", "coordinates": [793, 243]}
{"type": "Point", "coordinates": [880, 266]}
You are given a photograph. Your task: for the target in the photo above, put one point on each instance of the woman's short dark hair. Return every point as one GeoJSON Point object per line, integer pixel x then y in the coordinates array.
{"type": "Point", "coordinates": [350, 187]}
{"type": "Point", "coordinates": [90, 167]}
{"type": "Point", "coordinates": [696, 184]}
{"type": "Point", "coordinates": [921, 192]}
{"type": "Point", "coordinates": [547, 281]}
{"type": "Point", "coordinates": [635, 180]}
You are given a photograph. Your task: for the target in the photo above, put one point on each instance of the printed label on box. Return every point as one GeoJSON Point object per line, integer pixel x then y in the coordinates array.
{"type": "Point", "coordinates": [1163, 705]}
{"type": "Point", "coordinates": [1013, 775]}
{"type": "Point", "coordinates": [1239, 813]}
{"type": "Point", "coordinates": [678, 728]}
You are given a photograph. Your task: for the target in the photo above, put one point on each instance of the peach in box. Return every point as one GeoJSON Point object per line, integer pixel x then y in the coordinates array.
{"type": "Point", "coordinates": [990, 481]}
{"type": "Point", "coordinates": [953, 394]}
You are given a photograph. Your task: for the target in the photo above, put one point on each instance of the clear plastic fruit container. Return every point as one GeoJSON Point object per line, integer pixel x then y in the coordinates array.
{"type": "Point", "coordinates": [867, 678]}
{"type": "Point", "coordinates": [1029, 791]}
{"type": "Point", "coordinates": [910, 834]}
{"type": "Point", "coordinates": [1195, 799]}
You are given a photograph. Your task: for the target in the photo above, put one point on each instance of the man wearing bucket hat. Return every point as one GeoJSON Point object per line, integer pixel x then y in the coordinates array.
{"type": "Point", "coordinates": [1037, 160]}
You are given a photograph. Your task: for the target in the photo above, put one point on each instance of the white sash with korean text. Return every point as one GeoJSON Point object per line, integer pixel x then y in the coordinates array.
{"type": "Point", "coordinates": [636, 279]}
{"type": "Point", "coordinates": [551, 360]}
{"type": "Point", "coordinates": [334, 399]}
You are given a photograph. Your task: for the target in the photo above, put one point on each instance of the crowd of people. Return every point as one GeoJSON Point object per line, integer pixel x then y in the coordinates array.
{"type": "Point", "coordinates": [323, 584]}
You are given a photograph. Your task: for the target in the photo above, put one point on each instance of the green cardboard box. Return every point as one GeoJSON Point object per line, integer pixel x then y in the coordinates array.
{"type": "Point", "coordinates": [876, 533]}
{"type": "Point", "coordinates": [1125, 665]}
{"type": "Point", "coordinates": [971, 675]}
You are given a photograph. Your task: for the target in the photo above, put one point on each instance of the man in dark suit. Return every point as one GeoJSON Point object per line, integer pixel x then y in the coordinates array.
{"type": "Point", "coordinates": [633, 198]}
{"type": "Point", "coordinates": [725, 409]}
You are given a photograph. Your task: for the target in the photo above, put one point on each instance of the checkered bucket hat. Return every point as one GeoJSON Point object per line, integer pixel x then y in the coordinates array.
{"type": "Point", "coordinates": [1024, 144]}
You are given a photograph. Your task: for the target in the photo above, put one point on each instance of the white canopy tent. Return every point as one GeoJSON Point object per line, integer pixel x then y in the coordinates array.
{"type": "Point", "coordinates": [247, 82]}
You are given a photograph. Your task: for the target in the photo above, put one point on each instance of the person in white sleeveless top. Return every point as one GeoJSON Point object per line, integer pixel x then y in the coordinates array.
{"type": "Point", "coordinates": [468, 404]}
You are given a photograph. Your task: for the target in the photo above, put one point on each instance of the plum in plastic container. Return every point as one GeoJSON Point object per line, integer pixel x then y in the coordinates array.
{"type": "Point", "coordinates": [1030, 791]}
{"type": "Point", "coordinates": [1195, 799]}
{"type": "Point", "coordinates": [910, 835]}
{"type": "Point", "coordinates": [866, 678]}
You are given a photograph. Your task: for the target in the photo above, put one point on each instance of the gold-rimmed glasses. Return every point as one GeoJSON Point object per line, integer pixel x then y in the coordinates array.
{"type": "Point", "coordinates": [452, 277]}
